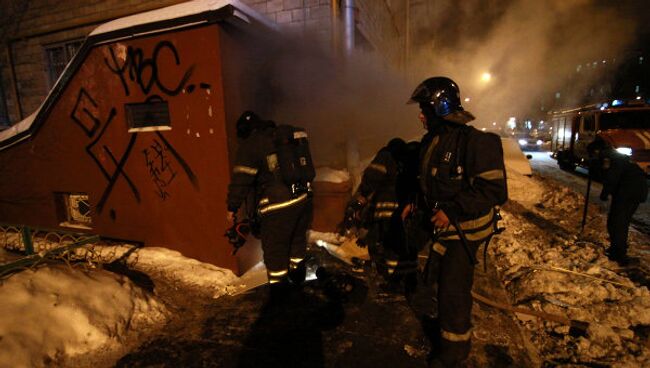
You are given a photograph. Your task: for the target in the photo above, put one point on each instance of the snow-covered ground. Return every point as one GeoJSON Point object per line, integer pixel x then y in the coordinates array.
{"type": "Point", "coordinates": [546, 264]}
{"type": "Point", "coordinates": [58, 314]}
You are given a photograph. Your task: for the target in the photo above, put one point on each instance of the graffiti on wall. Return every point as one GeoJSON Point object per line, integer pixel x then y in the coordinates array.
{"type": "Point", "coordinates": [144, 71]}
{"type": "Point", "coordinates": [163, 162]}
{"type": "Point", "coordinates": [158, 161]}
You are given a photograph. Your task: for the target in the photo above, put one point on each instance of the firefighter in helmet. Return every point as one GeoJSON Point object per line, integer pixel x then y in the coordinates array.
{"type": "Point", "coordinates": [386, 188]}
{"type": "Point", "coordinates": [462, 180]}
{"type": "Point", "coordinates": [264, 166]}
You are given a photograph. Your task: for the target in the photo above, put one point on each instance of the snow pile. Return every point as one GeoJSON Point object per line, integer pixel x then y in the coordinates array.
{"type": "Point", "coordinates": [548, 267]}
{"type": "Point", "coordinates": [56, 313]}
{"type": "Point", "coordinates": [515, 160]}
{"type": "Point", "coordinates": [170, 265]}
{"type": "Point", "coordinates": [523, 189]}
{"type": "Point", "coordinates": [160, 263]}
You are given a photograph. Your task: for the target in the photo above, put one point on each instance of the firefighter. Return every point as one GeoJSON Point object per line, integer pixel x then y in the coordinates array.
{"type": "Point", "coordinates": [284, 203]}
{"type": "Point", "coordinates": [384, 191]}
{"type": "Point", "coordinates": [625, 181]}
{"type": "Point", "coordinates": [462, 180]}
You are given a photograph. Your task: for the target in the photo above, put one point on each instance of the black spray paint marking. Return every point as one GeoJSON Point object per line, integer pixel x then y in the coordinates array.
{"type": "Point", "coordinates": [101, 167]}
{"type": "Point", "coordinates": [160, 169]}
{"type": "Point", "coordinates": [84, 117]}
{"type": "Point", "coordinates": [145, 71]}
{"type": "Point", "coordinates": [188, 170]}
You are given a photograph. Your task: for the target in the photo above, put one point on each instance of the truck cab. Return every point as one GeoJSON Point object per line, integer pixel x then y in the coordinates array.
{"type": "Point", "coordinates": [624, 126]}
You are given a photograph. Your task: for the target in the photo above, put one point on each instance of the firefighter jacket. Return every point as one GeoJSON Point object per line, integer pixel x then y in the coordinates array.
{"type": "Point", "coordinates": [256, 171]}
{"type": "Point", "coordinates": [379, 183]}
{"type": "Point", "coordinates": [622, 177]}
{"type": "Point", "coordinates": [462, 172]}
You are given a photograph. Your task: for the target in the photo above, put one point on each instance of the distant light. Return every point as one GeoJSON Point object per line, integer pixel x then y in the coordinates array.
{"type": "Point", "coordinates": [512, 123]}
{"type": "Point", "coordinates": [321, 243]}
{"type": "Point", "coordinates": [617, 102]}
{"type": "Point", "coordinates": [627, 151]}
{"type": "Point", "coordinates": [638, 97]}
{"type": "Point", "coordinates": [523, 142]}
{"type": "Point", "coordinates": [541, 122]}
{"type": "Point", "coordinates": [494, 123]}
{"type": "Point", "coordinates": [604, 61]}
{"type": "Point", "coordinates": [467, 99]}
{"type": "Point", "coordinates": [602, 108]}
{"type": "Point", "coordinates": [485, 77]}
{"type": "Point", "coordinates": [483, 129]}
{"type": "Point", "coordinates": [539, 142]}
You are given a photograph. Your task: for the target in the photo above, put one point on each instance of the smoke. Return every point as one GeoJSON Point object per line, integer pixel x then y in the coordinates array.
{"type": "Point", "coordinates": [532, 50]}
{"type": "Point", "coordinates": [358, 103]}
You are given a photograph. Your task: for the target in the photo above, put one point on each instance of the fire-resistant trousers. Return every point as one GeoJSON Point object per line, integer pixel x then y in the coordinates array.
{"type": "Point", "coordinates": [618, 221]}
{"type": "Point", "coordinates": [387, 244]}
{"type": "Point", "coordinates": [284, 238]}
{"type": "Point", "coordinates": [453, 270]}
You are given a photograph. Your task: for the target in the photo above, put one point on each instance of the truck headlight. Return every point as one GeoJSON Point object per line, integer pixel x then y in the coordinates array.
{"type": "Point", "coordinates": [627, 151]}
{"type": "Point", "coordinates": [523, 142]}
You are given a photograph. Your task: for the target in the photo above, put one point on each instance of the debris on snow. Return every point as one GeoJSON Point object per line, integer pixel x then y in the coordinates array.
{"type": "Point", "coordinates": [547, 266]}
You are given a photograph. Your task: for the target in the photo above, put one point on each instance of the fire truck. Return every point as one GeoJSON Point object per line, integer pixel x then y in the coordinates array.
{"type": "Point", "coordinates": [623, 125]}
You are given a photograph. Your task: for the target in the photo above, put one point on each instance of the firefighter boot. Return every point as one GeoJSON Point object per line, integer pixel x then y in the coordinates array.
{"type": "Point", "coordinates": [297, 271]}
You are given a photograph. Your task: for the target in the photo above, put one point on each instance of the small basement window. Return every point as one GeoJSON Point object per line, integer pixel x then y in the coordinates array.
{"type": "Point", "coordinates": [74, 210]}
{"type": "Point", "coordinates": [148, 116]}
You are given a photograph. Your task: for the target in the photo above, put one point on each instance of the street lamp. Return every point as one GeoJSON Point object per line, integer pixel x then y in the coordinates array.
{"type": "Point", "coordinates": [486, 77]}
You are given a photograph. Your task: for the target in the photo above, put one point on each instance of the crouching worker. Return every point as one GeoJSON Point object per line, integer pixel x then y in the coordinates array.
{"type": "Point", "coordinates": [274, 162]}
{"type": "Point", "coordinates": [378, 204]}
{"type": "Point", "coordinates": [625, 181]}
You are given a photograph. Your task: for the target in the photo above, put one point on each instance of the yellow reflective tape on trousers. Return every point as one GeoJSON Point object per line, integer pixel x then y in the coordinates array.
{"type": "Point", "coordinates": [278, 273]}
{"type": "Point", "coordinates": [454, 337]}
{"type": "Point", "coordinates": [492, 175]}
{"type": "Point", "coordinates": [384, 214]}
{"type": "Point", "coordinates": [295, 260]}
{"type": "Point", "coordinates": [277, 206]}
{"type": "Point", "coordinates": [244, 170]}
{"type": "Point", "coordinates": [378, 167]}
{"type": "Point", "coordinates": [386, 205]}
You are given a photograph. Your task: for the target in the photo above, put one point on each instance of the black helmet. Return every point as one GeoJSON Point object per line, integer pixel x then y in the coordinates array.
{"type": "Point", "coordinates": [441, 97]}
{"type": "Point", "coordinates": [250, 121]}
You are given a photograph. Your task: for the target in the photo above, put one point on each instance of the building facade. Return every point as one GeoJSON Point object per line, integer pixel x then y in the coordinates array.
{"type": "Point", "coordinates": [39, 37]}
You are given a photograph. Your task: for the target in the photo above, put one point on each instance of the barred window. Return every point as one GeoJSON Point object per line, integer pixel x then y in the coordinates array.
{"type": "Point", "coordinates": [74, 210]}
{"type": "Point", "coordinates": [58, 55]}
